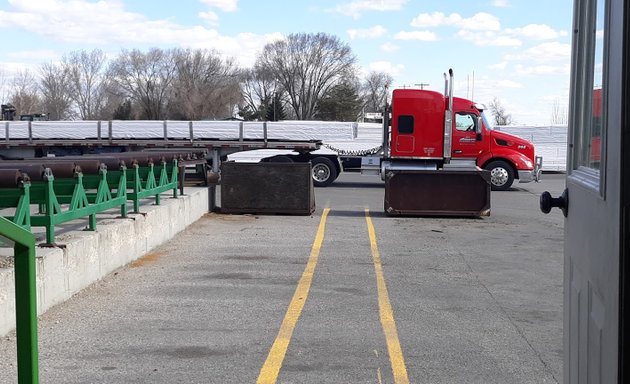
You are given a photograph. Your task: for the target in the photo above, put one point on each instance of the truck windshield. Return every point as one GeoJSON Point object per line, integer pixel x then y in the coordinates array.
{"type": "Point", "coordinates": [486, 122]}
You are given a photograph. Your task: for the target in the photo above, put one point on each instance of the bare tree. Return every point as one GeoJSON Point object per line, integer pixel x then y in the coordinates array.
{"type": "Point", "coordinates": [204, 85]}
{"type": "Point", "coordinates": [260, 91]}
{"type": "Point", "coordinates": [257, 88]}
{"type": "Point", "coordinates": [86, 72]}
{"type": "Point", "coordinates": [56, 91]}
{"type": "Point", "coordinates": [307, 66]}
{"type": "Point", "coordinates": [4, 86]}
{"type": "Point", "coordinates": [501, 117]}
{"type": "Point", "coordinates": [24, 95]}
{"type": "Point", "coordinates": [558, 115]}
{"type": "Point", "coordinates": [145, 78]}
{"type": "Point", "coordinates": [375, 89]}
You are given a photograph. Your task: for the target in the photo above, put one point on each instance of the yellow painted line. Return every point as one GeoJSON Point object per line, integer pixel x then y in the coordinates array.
{"type": "Point", "coordinates": [386, 314]}
{"type": "Point", "coordinates": [379, 377]}
{"type": "Point", "coordinates": [270, 370]}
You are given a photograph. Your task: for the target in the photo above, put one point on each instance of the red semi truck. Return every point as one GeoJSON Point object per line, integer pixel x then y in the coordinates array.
{"type": "Point", "coordinates": [419, 133]}
{"type": "Point", "coordinates": [429, 129]}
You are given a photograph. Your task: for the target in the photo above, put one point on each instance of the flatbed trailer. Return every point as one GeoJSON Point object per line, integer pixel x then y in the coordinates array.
{"type": "Point", "coordinates": [63, 138]}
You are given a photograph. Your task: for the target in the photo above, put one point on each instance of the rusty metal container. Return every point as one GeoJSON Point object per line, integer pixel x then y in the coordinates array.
{"type": "Point", "coordinates": [267, 188]}
{"type": "Point", "coordinates": [462, 193]}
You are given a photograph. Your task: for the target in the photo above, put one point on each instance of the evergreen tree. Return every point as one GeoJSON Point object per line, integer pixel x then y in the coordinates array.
{"type": "Point", "coordinates": [342, 103]}
{"type": "Point", "coordinates": [247, 114]}
{"type": "Point", "coordinates": [123, 111]}
{"type": "Point", "coordinates": [275, 110]}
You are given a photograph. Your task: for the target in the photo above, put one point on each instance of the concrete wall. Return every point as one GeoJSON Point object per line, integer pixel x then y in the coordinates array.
{"type": "Point", "coordinates": [89, 256]}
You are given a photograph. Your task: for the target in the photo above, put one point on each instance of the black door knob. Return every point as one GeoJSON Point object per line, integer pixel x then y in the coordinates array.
{"type": "Point", "coordinates": [547, 202]}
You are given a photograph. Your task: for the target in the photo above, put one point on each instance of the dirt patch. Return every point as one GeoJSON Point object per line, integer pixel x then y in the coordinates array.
{"type": "Point", "coordinates": [146, 259]}
{"type": "Point", "coordinates": [230, 218]}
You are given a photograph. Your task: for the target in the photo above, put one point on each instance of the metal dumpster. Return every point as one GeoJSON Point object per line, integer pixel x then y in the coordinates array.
{"type": "Point", "coordinates": [443, 192]}
{"type": "Point", "coordinates": [267, 188]}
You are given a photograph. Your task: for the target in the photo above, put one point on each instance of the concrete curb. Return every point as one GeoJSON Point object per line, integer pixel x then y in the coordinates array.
{"type": "Point", "coordinates": [89, 256]}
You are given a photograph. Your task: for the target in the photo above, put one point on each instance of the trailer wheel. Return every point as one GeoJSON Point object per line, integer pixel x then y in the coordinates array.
{"type": "Point", "coordinates": [501, 175]}
{"type": "Point", "coordinates": [324, 171]}
{"type": "Point", "coordinates": [280, 159]}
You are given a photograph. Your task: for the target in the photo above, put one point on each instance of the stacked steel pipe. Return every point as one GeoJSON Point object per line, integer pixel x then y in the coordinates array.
{"type": "Point", "coordinates": [69, 166]}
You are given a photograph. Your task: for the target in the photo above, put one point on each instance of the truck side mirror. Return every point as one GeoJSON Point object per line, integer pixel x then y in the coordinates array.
{"type": "Point", "coordinates": [479, 128]}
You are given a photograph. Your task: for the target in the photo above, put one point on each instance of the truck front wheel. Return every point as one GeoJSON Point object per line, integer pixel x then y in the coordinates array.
{"type": "Point", "coordinates": [501, 175]}
{"type": "Point", "coordinates": [324, 171]}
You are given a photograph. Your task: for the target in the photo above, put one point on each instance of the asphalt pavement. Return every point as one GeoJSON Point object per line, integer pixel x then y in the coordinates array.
{"type": "Point", "coordinates": [322, 299]}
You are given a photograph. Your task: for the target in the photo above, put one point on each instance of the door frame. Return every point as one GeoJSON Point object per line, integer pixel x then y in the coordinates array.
{"type": "Point", "coordinates": [624, 256]}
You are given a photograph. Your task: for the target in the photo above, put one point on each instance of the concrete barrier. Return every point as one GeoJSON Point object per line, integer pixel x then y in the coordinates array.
{"type": "Point", "coordinates": [89, 256]}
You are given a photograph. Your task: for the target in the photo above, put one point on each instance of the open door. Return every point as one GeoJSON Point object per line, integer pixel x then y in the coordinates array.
{"type": "Point", "coordinates": [594, 201]}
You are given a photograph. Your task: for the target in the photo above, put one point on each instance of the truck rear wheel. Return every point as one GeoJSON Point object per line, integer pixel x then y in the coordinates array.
{"type": "Point", "coordinates": [324, 171]}
{"type": "Point", "coordinates": [501, 175]}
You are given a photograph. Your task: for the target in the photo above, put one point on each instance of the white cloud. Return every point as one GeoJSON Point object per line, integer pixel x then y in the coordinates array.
{"type": "Point", "coordinates": [481, 22]}
{"type": "Point", "coordinates": [40, 55]}
{"type": "Point", "coordinates": [561, 97]}
{"type": "Point", "coordinates": [389, 47]}
{"type": "Point", "coordinates": [211, 17]}
{"type": "Point", "coordinates": [386, 66]}
{"type": "Point", "coordinates": [484, 29]}
{"type": "Point", "coordinates": [80, 21]}
{"type": "Point", "coordinates": [494, 84]}
{"type": "Point", "coordinates": [8, 69]}
{"type": "Point", "coordinates": [508, 84]}
{"type": "Point", "coordinates": [489, 38]}
{"type": "Point", "coordinates": [244, 46]}
{"type": "Point", "coordinates": [486, 88]}
{"type": "Point", "coordinates": [435, 19]}
{"type": "Point", "coordinates": [502, 65]}
{"type": "Point", "coordinates": [546, 52]}
{"type": "Point", "coordinates": [356, 7]}
{"type": "Point", "coordinates": [416, 35]}
{"type": "Point", "coordinates": [369, 33]}
{"type": "Point", "coordinates": [108, 23]}
{"type": "Point", "coordinates": [536, 32]}
{"type": "Point", "coordinates": [500, 3]}
{"type": "Point", "coordinates": [478, 22]}
{"type": "Point", "coordinates": [224, 5]}
{"type": "Point", "coordinates": [543, 70]}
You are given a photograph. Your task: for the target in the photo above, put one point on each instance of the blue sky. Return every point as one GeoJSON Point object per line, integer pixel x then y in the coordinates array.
{"type": "Point", "coordinates": [518, 51]}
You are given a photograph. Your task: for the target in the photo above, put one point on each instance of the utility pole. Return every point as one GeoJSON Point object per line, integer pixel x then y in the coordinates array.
{"type": "Point", "coordinates": [422, 85]}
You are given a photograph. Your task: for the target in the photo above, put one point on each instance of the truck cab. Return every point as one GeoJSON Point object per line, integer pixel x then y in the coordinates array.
{"type": "Point", "coordinates": [506, 156]}
{"type": "Point", "coordinates": [420, 132]}
{"type": "Point", "coordinates": [34, 117]}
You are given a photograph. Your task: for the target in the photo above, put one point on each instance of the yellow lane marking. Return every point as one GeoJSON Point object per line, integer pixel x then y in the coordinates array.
{"type": "Point", "coordinates": [378, 370]}
{"type": "Point", "coordinates": [271, 368]}
{"type": "Point", "coordinates": [385, 312]}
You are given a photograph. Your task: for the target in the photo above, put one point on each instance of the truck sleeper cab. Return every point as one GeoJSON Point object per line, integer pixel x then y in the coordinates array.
{"type": "Point", "coordinates": [418, 118]}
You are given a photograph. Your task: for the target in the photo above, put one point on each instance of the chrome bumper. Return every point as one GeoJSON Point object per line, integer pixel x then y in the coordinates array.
{"type": "Point", "coordinates": [533, 175]}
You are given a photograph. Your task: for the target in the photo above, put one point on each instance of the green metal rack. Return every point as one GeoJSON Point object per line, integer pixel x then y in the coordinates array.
{"type": "Point", "coordinates": [68, 199]}
{"type": "Point", "coordinates": [20, 198]}
{"type": "Point", "coordinates": [65, 199]}
{"type": "Point", "coordinates": [145, 183]}
{"type": "Point", "coordinates": [25, 300]}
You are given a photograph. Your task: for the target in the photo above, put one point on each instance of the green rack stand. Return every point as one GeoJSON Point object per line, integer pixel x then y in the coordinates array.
{"type": "Point", "coordinates": [25, 300]}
